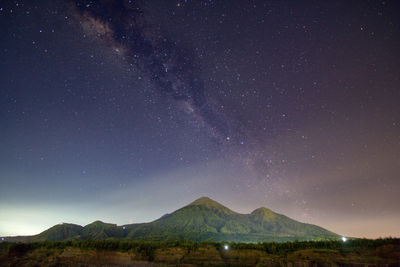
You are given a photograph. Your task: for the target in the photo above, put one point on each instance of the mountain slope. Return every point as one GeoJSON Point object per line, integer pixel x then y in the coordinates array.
{"type": "Point", "coordinates": [63, 231]}
{"type": "Point", "coordinates": [101, 230]}
{"type": "Point", "coordinates": [207, 220]}
{"type": "Point", "coordinates": [202, 220]}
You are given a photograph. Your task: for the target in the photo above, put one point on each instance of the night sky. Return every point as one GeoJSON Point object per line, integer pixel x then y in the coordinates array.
{"type": "Point", "coordinates": [122, 111]}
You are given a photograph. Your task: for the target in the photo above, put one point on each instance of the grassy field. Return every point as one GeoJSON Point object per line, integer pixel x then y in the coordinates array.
{"type": "Point", "coordinates": [359, 252]}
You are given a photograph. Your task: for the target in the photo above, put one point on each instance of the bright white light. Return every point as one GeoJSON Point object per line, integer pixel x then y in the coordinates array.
{"type": "Point", "coordinates": [344, 239]}
{"type": "Point", "coordinates": [226, 247]}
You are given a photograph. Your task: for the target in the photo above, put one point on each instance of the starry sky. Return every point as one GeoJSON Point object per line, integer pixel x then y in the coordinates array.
{"type": "Point", "coordinates": [122, 111]}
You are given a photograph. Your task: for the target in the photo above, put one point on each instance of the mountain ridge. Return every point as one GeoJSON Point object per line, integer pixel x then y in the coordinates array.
{"type": "Point", "coordinates": [201, 220]}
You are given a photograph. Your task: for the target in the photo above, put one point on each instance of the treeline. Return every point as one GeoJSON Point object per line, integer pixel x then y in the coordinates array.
{"type": "Point", "coordinates": [147, 249]}
{"type": "Point", "coordinates": [285, 247]}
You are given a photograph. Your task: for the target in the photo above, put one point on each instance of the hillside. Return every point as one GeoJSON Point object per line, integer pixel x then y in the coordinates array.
{"type": "Point", "coordinates": [202, 220]}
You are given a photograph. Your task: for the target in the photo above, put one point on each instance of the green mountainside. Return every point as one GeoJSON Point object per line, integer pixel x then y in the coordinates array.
{"type": "Point", "coordinates": [201, 220]}
{"type": "Point", "coordinates": [59, 232]}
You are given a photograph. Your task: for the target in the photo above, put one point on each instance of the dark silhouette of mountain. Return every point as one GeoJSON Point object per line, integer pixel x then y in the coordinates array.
{"type": "Point", "coordinates": [202, 220]}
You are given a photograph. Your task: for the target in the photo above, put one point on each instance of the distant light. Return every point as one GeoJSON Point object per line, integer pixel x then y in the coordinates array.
{"type": "Point", "coordinates": [344, 239]}
{"type": "Point", "coordinates": [2, 239]}
{"type": "Point", "coordinates": [123, 227]}
{"type": "Point", "coordinates": [226, 247]}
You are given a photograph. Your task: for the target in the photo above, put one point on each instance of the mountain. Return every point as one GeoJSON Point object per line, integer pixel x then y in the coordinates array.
{"type": "Point", "coordinates": [100, 230]}
{"type": "Point", "coordinates": [202, 220]}
{"type": "Point", "coordinates": [60, 232]}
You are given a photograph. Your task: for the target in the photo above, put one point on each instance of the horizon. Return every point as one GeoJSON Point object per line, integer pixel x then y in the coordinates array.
{"type": "Point", "coordinates": [191, 203]}
{"type": "Point", "coordinates": [121, 111]}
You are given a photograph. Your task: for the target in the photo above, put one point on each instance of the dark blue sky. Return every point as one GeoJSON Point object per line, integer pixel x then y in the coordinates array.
{"type": "Point", "coordinates": [125, 110]}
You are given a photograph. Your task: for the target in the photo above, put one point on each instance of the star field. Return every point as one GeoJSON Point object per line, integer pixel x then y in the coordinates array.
{"type": "Point", "coordinates": [125, 110]}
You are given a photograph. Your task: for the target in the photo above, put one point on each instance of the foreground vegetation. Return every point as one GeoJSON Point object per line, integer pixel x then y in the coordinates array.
{"type": "Point", "coordinates": [380, 252]}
